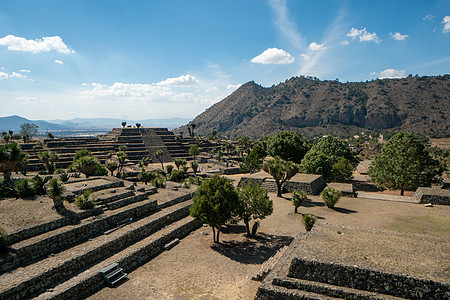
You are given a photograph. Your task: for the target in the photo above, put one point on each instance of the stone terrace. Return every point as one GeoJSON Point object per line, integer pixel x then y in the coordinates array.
{"type": "Point", "coordinates": [61, 260]}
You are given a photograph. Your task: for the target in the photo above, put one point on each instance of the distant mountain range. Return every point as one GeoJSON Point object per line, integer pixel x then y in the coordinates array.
{"type": "Point", "coordinates": [14, 122]}
{"type": "Point", "coordinates": [313, 107]}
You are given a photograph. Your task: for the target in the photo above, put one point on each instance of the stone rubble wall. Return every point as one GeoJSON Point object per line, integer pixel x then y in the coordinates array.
{"type": "Point", "coordinates": [312, 188]}
{"type": "Point", "coordinates": [368, 280]}
{"type": "Point", "coordinates": [433, 196]}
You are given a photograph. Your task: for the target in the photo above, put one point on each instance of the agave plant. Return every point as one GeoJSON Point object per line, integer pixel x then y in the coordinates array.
{"type": "Point", "coordinates": [55, 190]}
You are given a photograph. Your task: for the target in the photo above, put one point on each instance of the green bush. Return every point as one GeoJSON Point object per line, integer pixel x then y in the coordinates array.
{"type": "Point", "coordinates": [85, 200]}
{"type": "Point", "coordinates": [24, 188]}
{"type": "Point", "coordinates": [195, 180]}
{"type": "Point", "coordinates": [3, 239]}
{"type": "Point", "coordinates": [101, 170]}
{"type": "Point", "coordinates": [298, 197]}
{"type": "Point", "coordinates": [6, 188]}
{"type": "Point", "coordinates": [43, 173]}
{"type": "Point", "coordinates": [64, 177]}
{"type": "Point", "coordinates": [169, 169]}
{"type": "Point", "coordinates": [159, 182]}
{"type": "Point", "coordinates": [330, 196]}
{"type": "Point", "coordinates": [39, 184]}
{"type": "Point", "coordinates": [176, 175]}
{"type": "Point", "coordinates": [76, 175]}
{"type": "Point", "coordinates": [186, 184]}
{"type": "Point", "coordinates": [309, 221]}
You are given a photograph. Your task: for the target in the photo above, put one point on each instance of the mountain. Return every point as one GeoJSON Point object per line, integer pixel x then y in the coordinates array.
{"type": "Point", "coordinates": [313, 107]}
{"type": "Point", "coordinates": [107, 123]}
{"type": "Point", "coordinates": [13, 123]}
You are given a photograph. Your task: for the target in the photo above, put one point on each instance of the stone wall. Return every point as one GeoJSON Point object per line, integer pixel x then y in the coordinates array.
{"type": "Point", "coordinates": [48, 245]}
{"type": "Point", "coordinates": [313, 187]}
{"type": "Point", "coordinates": [433, 196]}
{"type": "Point", "coordinates": [49, 277]}
{"type": "Point", "coordinates": [368, 280]}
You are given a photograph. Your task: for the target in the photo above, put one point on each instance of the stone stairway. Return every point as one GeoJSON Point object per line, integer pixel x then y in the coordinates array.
{"type": "Point", "coordinates": [65, 262]}
{"type": "Point", "coordinates": [269, 185]}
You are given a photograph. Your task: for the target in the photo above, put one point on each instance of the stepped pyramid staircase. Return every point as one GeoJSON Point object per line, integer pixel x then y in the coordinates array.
{"type": "Point", "coordinates": [140, 142]}
{"type": "Point", "coordinates": [65, 260]}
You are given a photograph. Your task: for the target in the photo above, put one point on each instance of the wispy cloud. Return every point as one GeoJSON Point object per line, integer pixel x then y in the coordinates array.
{"type": "Point", "coordinates": [363, 35]}
{"type": "Point", "coordinates": [29, 99]}
{"type": "Point", "coordinates": [428, 17]}
{"type": "Point", "coordinates": [57, 61]}
{"type": "Point", "coordinates": [398, 36]}
{"type": "Point", "coordinates": [234, 86]}
{"type": "Point", "coordinates": [273, 56]}
{"type": "Point", "coordinates": [284, 24]}
{"type": "Point", "coordinates": [446, 22]}
{"type": "Point", "coordinates": [45, 44]}
{"type": "Point", "coordinates": [390, 73]}
{"type": "Point", "coordinates": [4, 75]}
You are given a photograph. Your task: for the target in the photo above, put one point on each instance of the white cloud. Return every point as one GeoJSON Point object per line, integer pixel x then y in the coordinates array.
{"type": "Point", "coordinates": [45, 44]}
{"type": "Point", "coordinates": [364, 35]}
{"type": "Point", "coordinates": [428, 17]}
{"type": "Point", "coordinates": [4, 75]}
{"type": "Point", "coordinates": [233, 86]}
{"type": "Point", "coordinates": [58, 61]}
{"type": "Point", "coordinates": [24, 71]}
{"type": "Point", "coordinates": [316, 47]}
{"type": "Point", "coordinates": [183, 80]}
{"type": "Point", "coordinates": [345, 42]}
{"type": "Point", "coordinates": [32, 99]}
{"type": "Point", "coordinates": [390, 73]}
{"type": "Point", "coordinates": [398, 36]}
{"type": "Point", "coordinates": [446, 22]}
{"type": "Point", "coordinates": [273, 56]}
{"type": "Point", "coordinates": [287, 28]}
{"type": "Point", "coordinates": [305, 56]}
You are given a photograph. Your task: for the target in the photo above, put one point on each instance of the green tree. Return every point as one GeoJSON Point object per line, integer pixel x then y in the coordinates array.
{"type": "Point", "coordinates": [281, 171]}
{"type": "Point", "coordinates": [28, 130]}
{"type": "Point", "coordinates": [146, 176]}
{"type": "Point", "coordinates": [10, 156]}
{"type": "Point", "coordinates": [194, 150]}
{"type": "Point", "coordinates": [405, 164]}
{"type": "Point", "coordinates": [194, 166]}
{"type": "Point", "coordinates": [253, 161]}
{"type": "Point", "coordinates": [87, 165]}
{"type": "Point", "coordinates": [331, 158]}
{"type": "Point", "coordinates": [81, 153]}
{"type": "Point", "coordinates": [298, 198]}
{"type": "Point", "coordinates": [121, 157]}
{"type": "Point", "coordinates": [192, 127]}
{"type": "Point", "coordinates": [179, 162]}
{"type": "Point", "coordinates": [288, 145]}
{"type": "Point", "coordinates": [49, 159]}
{"type": "Point", "coordinates": [55, 189]}
{"type": "Point", "coordinates": [124, 124]}
{"type": "Point", "coordinates": [254, 204]}
{"type": "Point", "coordinates": [138, 125]}
{"type": "Point", "coordinates": [160, 156]}
{"type": "Point", "coordinates": [112, 166]}
{"type": "Point", "coordinates": [214, 203]}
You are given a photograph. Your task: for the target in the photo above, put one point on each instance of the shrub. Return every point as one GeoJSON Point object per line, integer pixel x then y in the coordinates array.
{"type": "Point", "coordinates": [81, 153]}
{"type": "Point", "coordinates": [298, 198]}
{"type": "Point", "coordinates": [43, 173]}
{"type": "Point", "coordinates": [195, 180]}
{"type": "Point", "coordinates": [59, 171]}
{"type": "Point", "coordinates": [88, 165]}
{"type": "Point", "coordinates": [76, 175]}
{"type": "Point", "coordinates": [159, 182]}
{"type": "Point", "coordinates": [309, 221]}
{"type": "Point", "coordinates": [146, 176]}
{"type": "Point", "coordinates": [3, 239]}
{"type": "Point", "coordinates": [330, 196]}
{"type": "Point", "coordinates": [177, 175]}
{"type": "Point", "coordinates": [39, 184]}
{"type": "Point", "coordinates": [64, 177]}
{"type": "Point", "coordinates": [186, 184]}
{"type": "Point", "coordinates": [24, 188]}
{"type": "Point", "coordinates": [169, 169]}
{"type": "Point", "coordinates": [6, 188]}
{"type": "Point", "coordinates": [101, 170]}
{"type": "Point", "coordinates": [85, 200]}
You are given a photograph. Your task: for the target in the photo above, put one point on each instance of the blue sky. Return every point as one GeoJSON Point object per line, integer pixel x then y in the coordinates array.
{"type": "Point", "coordinates": [162, 59]}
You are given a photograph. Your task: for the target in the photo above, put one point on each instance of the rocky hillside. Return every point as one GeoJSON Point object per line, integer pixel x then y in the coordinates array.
{"type": "Point", "coordinates": [313, 107]}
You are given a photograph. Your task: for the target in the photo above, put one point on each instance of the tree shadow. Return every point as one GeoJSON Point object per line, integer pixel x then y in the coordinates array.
{"type": "Point", "coordinates": [231, 228]}
{"type": "Point", "coordinates": [255, 251]}
{"type": "Point", "coordinates": [366, 187]}
{"type": "Point", "coordinates": [344, 210]}
{"type": "Point", "coordinates": [309, 203]}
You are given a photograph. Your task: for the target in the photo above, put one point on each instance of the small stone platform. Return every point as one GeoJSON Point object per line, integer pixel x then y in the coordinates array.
{"type": "Point", "coordinates": [432, 195]}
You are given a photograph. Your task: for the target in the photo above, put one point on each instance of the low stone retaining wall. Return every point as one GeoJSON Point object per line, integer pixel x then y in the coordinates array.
{"type": "Point", "coordinates": [48, 278]}
{"type": "Point", "coordinates": [177, 200]}
{"type": "Point", "coordinates": [243, 181]}
{"type": "Point", "coordinates": [56, 242]}
{"type": "Point", "coordinates": [312, 185]}
{"type": "Point", "coordinates": [368, 280]}
{"type": "Point", "coordinates": [433, 196]}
